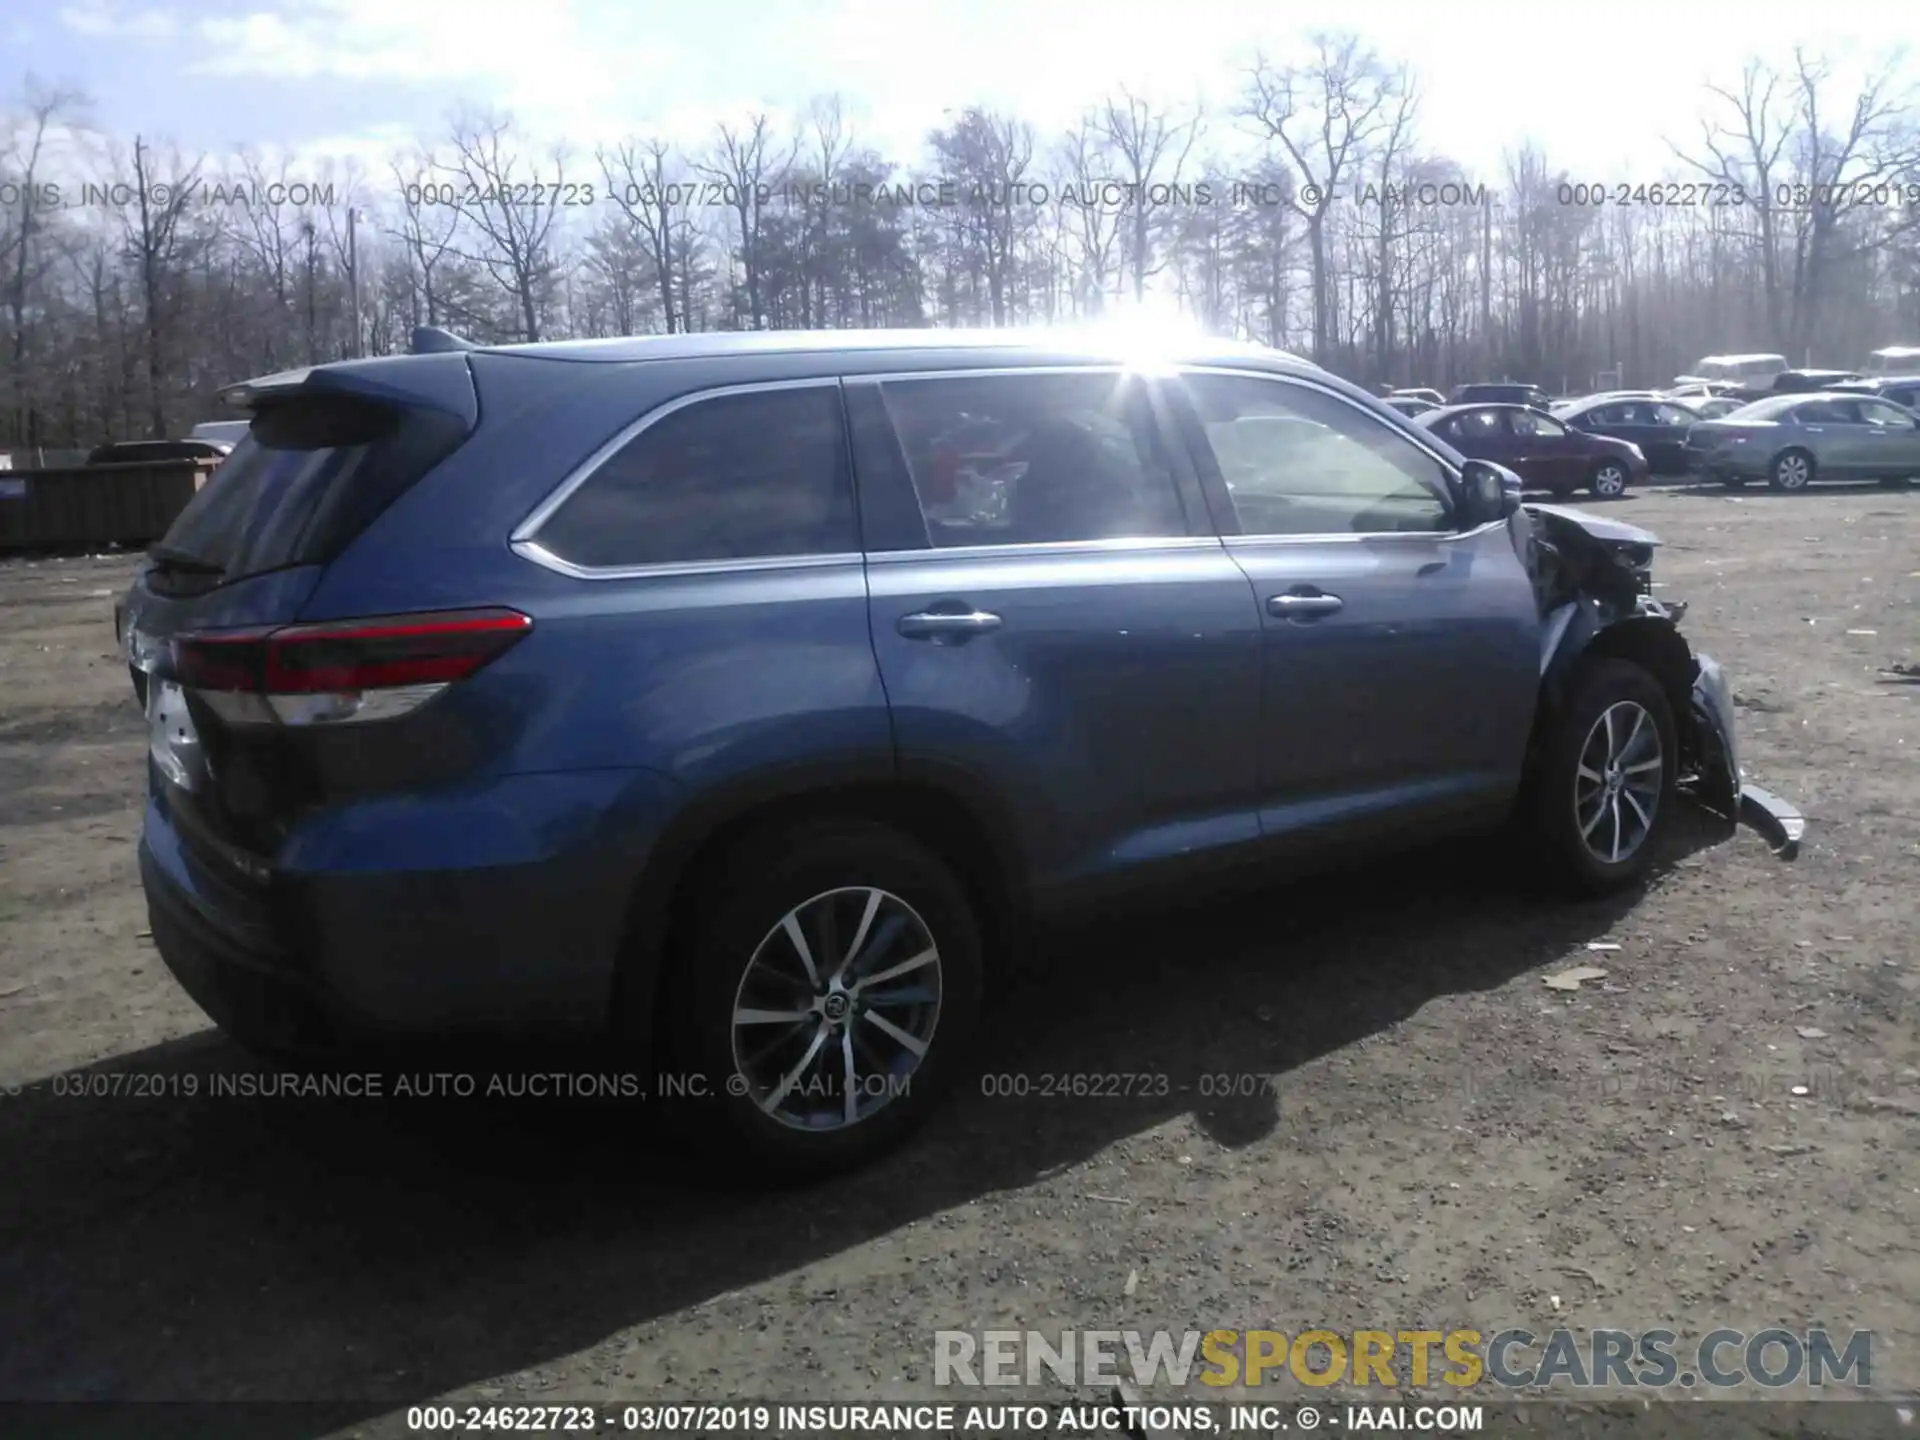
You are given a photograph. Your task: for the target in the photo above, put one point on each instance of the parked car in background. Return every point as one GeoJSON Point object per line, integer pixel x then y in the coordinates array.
{"type": "Point", "coordinates": [1411, 404]}
{"type": "Point", "coordinates": [226, 432]}
{"type": "Point", "coordinates": [1418, 392]}
{"type": "Point", "coordinates": [575, 692]}
{"type": "Point", "coordinates": [1542, 451]}
{"type": "Point", "coordinates": [1710, 407]}
{"type": "Point", "coordinates": [146, 452]}
{"type": "Point", "coordinates": [1703, 390]}
{"type": "Point", "coordinates": [1805, 382]}
{"type": "Point", "coordinates": [1894, 360]}
{"type": "Point", "coordinates": [1751, 371]}
{"type": "Point", "coordinates": [1790, 441]}
{"type": "Point", "coordinates": [1657, 427]}
{"type": "Point", "coordinates": [1900, 389]}
{"type": "Point", "coordinates": [1501, 393]}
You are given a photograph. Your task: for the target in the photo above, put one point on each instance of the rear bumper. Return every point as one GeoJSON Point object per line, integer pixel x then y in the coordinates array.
{"type": "Point", "coordinates": [496, 912]}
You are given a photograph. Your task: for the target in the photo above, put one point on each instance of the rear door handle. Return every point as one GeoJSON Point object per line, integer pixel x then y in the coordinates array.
{"type": "Point", "coordinates": [938, 625]}
{"type": "Point", "coordinates": [1303, 607]}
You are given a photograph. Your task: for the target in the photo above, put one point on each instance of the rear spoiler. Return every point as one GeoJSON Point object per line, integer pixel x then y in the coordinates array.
{"type": "Point", "coordinates": [436, 380]}
{"type": "Point", "coordinates": [432, 340]}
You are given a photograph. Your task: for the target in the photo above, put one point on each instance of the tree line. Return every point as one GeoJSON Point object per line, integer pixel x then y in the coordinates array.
{"type": "Point", "coordinates": [1310, 215]}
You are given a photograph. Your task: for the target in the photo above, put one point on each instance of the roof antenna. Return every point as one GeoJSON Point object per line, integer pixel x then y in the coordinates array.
{"type": "Point", "coordinates": [432, 340]}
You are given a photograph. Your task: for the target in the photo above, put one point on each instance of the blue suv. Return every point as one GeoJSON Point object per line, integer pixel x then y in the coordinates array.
{"type": "Point", "coordinates": [740, 699]}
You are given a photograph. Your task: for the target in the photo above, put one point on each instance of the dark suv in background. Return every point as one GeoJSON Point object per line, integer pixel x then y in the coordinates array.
{"type": "Point", "coordinates": [1504, 392]}
{"type": "Point", "coordinates": [737, 700]}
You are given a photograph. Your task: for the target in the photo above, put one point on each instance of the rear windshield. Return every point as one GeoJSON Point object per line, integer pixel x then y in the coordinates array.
{"type": "Point", "coordinates": [312, 472]}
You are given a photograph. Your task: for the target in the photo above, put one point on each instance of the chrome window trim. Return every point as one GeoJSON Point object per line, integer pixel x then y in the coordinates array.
{"type": "Point", "coordinates": [1045, 549]}
{"type": "Point", "coordinates": [524, 541]}
{"type": "Point", "coordinates": [1418, 442]}
{"type": "Point", "coordinates": [524, 538]}
{"type": "Point", "coordinates": [673, 569]}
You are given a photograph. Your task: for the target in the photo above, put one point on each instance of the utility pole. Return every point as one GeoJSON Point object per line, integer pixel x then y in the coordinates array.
{"type": "Point", "coordinates": [353, 275]}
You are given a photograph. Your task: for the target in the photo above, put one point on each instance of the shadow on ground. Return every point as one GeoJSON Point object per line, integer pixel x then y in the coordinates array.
{"type": "Point", "coordinates": [162, 1246]}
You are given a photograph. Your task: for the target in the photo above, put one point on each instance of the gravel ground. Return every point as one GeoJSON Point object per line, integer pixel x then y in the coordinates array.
{"type": "Point", "coordinates": [1373, 1111]}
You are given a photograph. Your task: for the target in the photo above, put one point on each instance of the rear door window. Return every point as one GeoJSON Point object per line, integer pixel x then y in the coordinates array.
{"type": "Point", "coordinates": [759, 474]}
{"type": "Point", "coordinates": [1034, 459]}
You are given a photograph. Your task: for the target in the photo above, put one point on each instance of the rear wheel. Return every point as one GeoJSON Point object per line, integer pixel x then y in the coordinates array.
{"type": "Point", "coordinates": [824, 997]}
{"type": "Point", "coordinates": [1603, 784]}
{"type": "Point", "coordinates": [1609, 480]}
{"type": "Point", "coordinates": [1791, 470]}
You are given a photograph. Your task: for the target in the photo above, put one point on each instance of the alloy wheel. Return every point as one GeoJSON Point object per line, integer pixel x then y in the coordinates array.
{"type": "Point", "coordinates": [1618, 783]}
{"type": "Point", "coordinates": [1790, 472]}
{"type": "Point", "coordinates": [836, 1010]}
{"type": "Point", "coordinates": [1609, 481]}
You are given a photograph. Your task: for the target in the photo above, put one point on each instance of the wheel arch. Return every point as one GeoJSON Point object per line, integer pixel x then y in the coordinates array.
{"type": "Point", "coordinates": [1648, 641]}
{"type": "Point", "coordinates": [945, 808]}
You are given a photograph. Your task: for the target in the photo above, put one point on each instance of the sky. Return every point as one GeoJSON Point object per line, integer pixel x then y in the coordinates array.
{"type": "Point", "coordinates": [1599, 89]}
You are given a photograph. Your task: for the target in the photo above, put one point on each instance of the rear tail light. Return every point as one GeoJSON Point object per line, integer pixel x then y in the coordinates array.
{"type": "Point", "coordinates": [342, 671]}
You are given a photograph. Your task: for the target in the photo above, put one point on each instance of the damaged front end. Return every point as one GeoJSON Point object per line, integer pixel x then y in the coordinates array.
{"type": "Point", "coordinates": [1594, 581]}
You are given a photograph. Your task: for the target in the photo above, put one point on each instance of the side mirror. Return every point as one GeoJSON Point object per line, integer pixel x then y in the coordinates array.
{"type": "Point", "coordinates": [1488, 492]}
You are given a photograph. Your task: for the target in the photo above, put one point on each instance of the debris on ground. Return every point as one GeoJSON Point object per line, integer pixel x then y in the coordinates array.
{"type": "Point", "coordinates": [1572, 979]}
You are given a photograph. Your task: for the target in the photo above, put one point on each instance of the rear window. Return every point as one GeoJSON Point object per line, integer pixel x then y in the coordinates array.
{"type": "Point", "coordinates": [312, 473]}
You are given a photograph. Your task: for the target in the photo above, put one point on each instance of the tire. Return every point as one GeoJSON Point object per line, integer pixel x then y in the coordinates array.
{"type": "Point", "coordinates": [1608, 481]}
{"type": "Point", "coordinates": [736, 954]}
{"type": "Point", "coordinates": [1791, 470]}
{"type": "Point", "coordinates": [1563, 800]}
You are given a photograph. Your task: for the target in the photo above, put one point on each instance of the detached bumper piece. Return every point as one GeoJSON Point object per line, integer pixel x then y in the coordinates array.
{"type": "Point", "coordinates": [1781, 824]}
{"type": "Point", "coordinates": [1715, 757]}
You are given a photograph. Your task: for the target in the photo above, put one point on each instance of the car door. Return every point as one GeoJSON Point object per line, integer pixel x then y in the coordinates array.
{"type": "Point", "coordinates": [1895, 444]}
{"type": "Point", "coordinates": [1833, 430]}
{"type": "Point", "coordinates": [1056, 623]}
{"type": "Point", "coordinates": [1400, 657]}
{"type": "Point", "coordinates": [1546, 452]}
{"type": "Point", "coordinates": [1666, 443]}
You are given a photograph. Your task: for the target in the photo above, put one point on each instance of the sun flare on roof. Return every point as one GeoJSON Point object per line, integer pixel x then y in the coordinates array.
{"type": "Point", "coordinates": [1152, 333]}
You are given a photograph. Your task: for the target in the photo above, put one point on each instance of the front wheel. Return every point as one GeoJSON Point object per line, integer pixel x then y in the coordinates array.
{"type": "Point", "coordinates": [823, 998]}
{"type": "Point", "coordinates": [1609, 480]}
{"type": "Point", "coordinates": [1792, 470]}
{"type": "Point", "coordinates": [1604, 780]}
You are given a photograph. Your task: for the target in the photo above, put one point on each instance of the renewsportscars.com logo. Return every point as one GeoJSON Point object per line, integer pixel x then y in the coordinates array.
{"type": "Point", "coordinates": [1513, 1359]}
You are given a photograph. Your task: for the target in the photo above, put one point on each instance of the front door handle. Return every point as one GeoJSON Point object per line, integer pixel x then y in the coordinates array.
{"type": "Point", "coordinates": [947, 625]}
{"type": "Point", "coordinates": [1303, 607]}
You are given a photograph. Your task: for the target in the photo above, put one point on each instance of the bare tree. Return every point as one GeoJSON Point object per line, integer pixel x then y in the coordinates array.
{"type": "Point", "coordinates": [512, 208]}
{"type": "Point", "coordinates": [1152, 149]}
{"type": "Point", "coordinates": [1323, 115]}
{"type": "Point", "coordinates": [744, 165]}
{"type": "Point", "coordinates": [22, 256]}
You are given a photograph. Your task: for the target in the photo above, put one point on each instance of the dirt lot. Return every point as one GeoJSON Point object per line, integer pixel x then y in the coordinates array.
{"type": "Point", "coordinates": [1447, 1140]}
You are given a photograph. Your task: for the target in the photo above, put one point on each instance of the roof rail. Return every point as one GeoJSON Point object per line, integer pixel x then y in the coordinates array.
{"type": "Point", "coordinates": [432, 340]}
